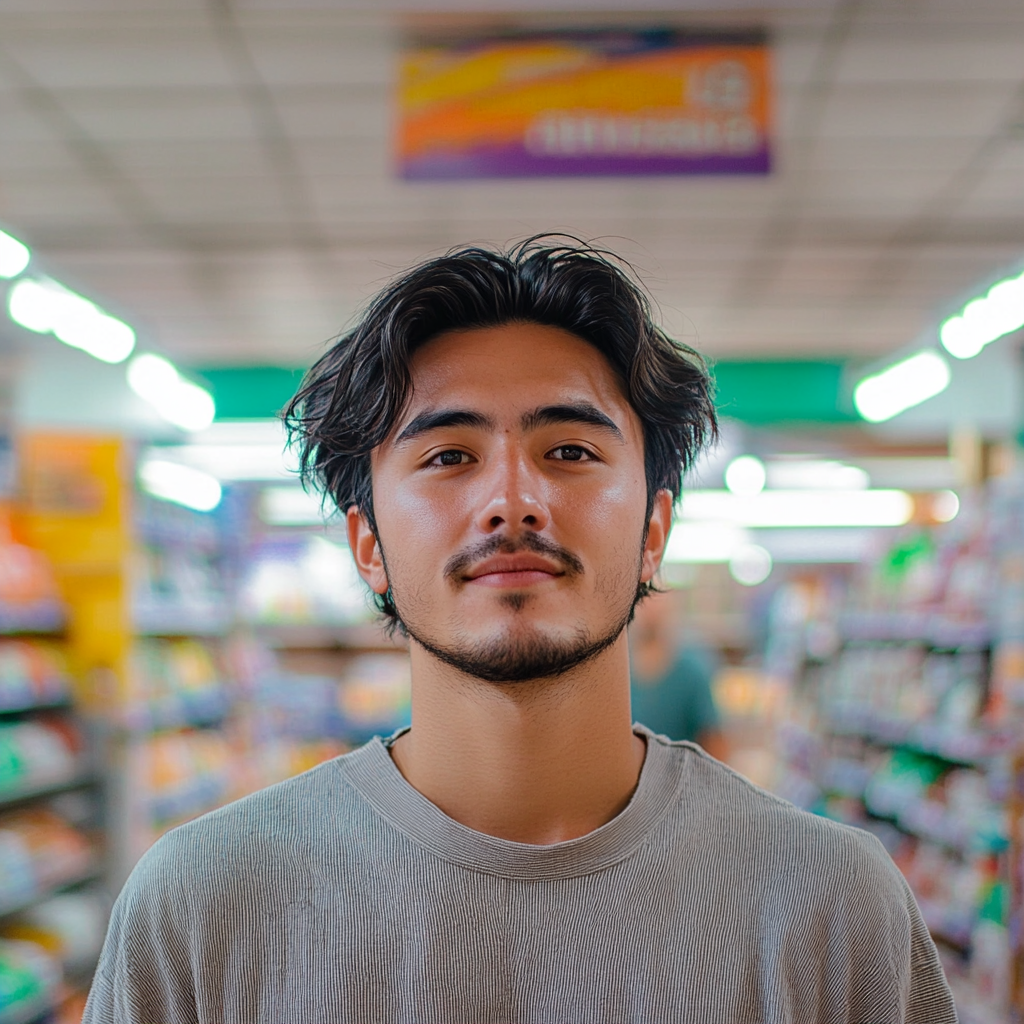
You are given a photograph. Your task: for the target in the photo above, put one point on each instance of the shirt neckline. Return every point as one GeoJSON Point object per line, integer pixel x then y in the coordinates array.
{"type": "Point", "coordinates": [372, 773]}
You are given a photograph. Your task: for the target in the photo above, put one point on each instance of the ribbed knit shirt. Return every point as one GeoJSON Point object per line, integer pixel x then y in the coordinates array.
{"type": "Point", "coordinates": [343, 896]}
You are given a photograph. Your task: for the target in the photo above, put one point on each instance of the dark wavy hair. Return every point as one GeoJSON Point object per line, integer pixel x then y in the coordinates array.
{"type": "Point", "coordinates": [352, 397]}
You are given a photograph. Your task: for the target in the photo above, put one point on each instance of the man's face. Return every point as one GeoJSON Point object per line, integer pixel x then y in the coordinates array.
{"type": "Point", "coordinates": [510, 502]}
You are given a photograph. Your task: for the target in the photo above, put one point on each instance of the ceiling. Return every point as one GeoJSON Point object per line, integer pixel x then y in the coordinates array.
{"type": "Point", "coordinates": [219, 173]}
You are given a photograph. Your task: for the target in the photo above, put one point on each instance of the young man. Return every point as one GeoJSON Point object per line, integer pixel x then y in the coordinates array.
{"type": "Point", "coordinates": [506, 433]}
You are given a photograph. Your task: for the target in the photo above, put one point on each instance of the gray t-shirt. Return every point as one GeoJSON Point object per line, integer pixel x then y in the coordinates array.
{"type": "Point", "coordinates": [343, 895]}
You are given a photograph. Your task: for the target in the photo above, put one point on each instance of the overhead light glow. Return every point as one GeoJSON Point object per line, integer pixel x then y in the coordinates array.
{"type": "Point", "coordinates": [816, 474]}
{"type": "Point", "coordinates": [945, 506]}
{"type": "Point", "coordinates": [44, 306]}
{"type": "Point", "coordinates": [750, 565]}
{"type": "Point", "coordinates": [776, 509]}
{"type": "Point", "coordinates": [178, 400]}
{"type": "Point", "coordinates": [14, 255]}
{"type": "Point", "coordinates": [745, 475]}
{"type": "Point", "coordinates": [704, 542]}
{"type": "Point", "coordinates": [983, 320]}
{"type": "Point", "coordinates": [290, 506]}
{"type": "Point", "coordinates": [901, 386]}
{"type": "Point", "coordinates": [183, 485]}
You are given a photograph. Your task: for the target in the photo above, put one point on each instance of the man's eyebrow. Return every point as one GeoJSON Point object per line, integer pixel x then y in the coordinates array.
{"type": "Point", "coordinates": [433, 419]}
{"type": "Point", "coordinates": [575, 412]}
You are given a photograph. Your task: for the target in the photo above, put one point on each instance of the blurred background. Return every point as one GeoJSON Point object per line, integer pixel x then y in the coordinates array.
{"type": "Point", "coordinates": [825, 198]}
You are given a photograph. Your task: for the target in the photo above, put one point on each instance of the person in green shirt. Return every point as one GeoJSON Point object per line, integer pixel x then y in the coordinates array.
{"type": "Point", "coordinates": [670, 684]}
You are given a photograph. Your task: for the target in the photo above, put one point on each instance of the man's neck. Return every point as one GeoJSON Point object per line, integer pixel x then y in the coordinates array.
{"type": "Point", "coordinates": [535, 762]}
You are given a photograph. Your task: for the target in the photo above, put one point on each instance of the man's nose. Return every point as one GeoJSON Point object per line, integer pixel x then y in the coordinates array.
{"type": "Point", "coordinates": [513, 496]}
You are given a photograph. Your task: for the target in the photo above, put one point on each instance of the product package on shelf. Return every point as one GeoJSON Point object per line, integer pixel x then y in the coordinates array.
{"type": "Point", "coordinates": [297, 718]}
{"type": "Point", "coordinates": [40, 851]}
{"type": "Point", "coordinates": [33, 673]}
{"type": "Point", "coordinates": [37, 754]}
{"type": "Point", "coordinates": [29, 597]}
{"type": "Point", "coordinates": [906, 721]}
{"type": "Point", "coordinates": [174, 682]}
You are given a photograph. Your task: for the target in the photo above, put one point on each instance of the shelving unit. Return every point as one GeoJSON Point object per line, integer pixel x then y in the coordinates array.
{"type": "Point", "coordinates": [38, 867]}
{"type": "Point", "coordinates": [900, 721]}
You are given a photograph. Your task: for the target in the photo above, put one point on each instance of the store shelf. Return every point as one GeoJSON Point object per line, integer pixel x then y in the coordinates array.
{"type": "Point", "coordinates": [181, 622]}
{"type": "Point", "coordinates": [931, 629]}
{"type": "Point", "coordinates": [63, 704]}
{"type": "Point", "coordinates": [91, 874]}
{"type": "Point", "coordinates": [968, 747]}
{"type": "Point", "coordinates": [37, 1011]}
{"type": "Point", "coordinates": [23, 794]}
{"type": "Point", "coordinates": [40, 620]}
{"type": "Point", "coordinates": [362, 637]}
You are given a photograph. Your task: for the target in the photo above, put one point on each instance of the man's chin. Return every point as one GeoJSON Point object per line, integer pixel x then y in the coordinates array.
{"type": "Point", "coordinates": [516, 653]}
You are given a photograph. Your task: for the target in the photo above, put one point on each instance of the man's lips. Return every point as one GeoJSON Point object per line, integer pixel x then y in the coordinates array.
{"type": "Point", "coordinates": [513, 571]}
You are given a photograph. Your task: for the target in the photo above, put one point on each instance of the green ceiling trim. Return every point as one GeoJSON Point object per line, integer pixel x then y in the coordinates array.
{"type": "Point", "coordinates": [249, 392]}
{"type": "Point", "coordinates": [760, 392]}
{"type": "Point", "coordinates": [783, 391]}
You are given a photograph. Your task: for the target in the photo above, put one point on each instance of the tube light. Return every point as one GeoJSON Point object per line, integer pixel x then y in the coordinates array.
{"type": "Point", "coordinates": [901, 386]}
{"type": "Point", "coordinates": [985, 319]}
{"type": "Point", "coordinates": [771, 509]}
{"type": "Point", "coordinates": [14, 255]}
{"type": "Point", "coordinates": [183, 485]}
{"type": "Point", "coordinates": [46, 307]}
{"type": "Point", "coordinates": [704, 542]}
{"type": "Point", "coordinates": [178, 400]}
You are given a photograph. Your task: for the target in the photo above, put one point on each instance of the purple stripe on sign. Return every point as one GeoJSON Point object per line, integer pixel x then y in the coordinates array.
{"type": "Point", "coordinates": [516, 162]}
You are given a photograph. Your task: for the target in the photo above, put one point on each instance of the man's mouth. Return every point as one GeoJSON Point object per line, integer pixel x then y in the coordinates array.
{"type": "Point", "coordinates": [515, 570]}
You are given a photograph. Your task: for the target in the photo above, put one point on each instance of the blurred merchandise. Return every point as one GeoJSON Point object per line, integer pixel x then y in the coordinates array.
{"type": "Point", "coordinates": [29, 597]}
{"type": "Point", "coordinates": [302, 578]}
{"type": "Point", "coordinates": [904, 717]}
{"type": "Point", "coordinates": [33, 673]}
{"type": "Point", "coordinates": [37, 754]}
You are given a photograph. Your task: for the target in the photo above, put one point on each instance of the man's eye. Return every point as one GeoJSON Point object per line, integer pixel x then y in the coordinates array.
{"type": "Point", "coordinates": [450, 458]}
{"type": "Point", "coordinates": [570, 453]}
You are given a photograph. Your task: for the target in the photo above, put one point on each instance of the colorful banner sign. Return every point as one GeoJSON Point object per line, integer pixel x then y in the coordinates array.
{"type": "Point", "coordinates": [607, 103]}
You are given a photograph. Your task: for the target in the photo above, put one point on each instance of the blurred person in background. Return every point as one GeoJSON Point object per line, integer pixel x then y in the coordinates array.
{"type": "Point", "coordinates": [506, 433]}
{"type": "Point", "coordinates": [670, 681]}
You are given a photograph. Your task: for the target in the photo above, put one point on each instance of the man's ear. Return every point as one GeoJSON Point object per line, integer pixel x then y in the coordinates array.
{"type": "Point", "coordinates": [362, 542]}
{"type": "Point", "coordinates": [657, 535]}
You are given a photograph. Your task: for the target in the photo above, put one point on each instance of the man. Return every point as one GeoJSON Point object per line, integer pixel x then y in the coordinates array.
{"type": "Point", "coordinates": [505, 433]}
{"type": "Point", "coordinates": [670, 683]}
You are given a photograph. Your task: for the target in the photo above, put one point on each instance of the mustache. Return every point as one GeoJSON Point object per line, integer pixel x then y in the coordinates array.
{"type": "Point", "coordinates": [457, 565]}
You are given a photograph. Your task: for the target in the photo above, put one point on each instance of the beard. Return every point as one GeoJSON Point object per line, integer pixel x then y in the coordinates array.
{"type": "Point", "coordinates": [516, 657]}
{"type": "Point", "coordinates": [521, 654]}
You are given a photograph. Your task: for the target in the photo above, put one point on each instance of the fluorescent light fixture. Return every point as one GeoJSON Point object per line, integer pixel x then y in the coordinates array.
{"type": "Point", "coordinates": [776, 509]}
{"type": "Point", "coordinates": [1000, 311]}
{"type": "Point", "coordinates": [745, 475]}
{"type": "Point", "coordinates": [815, 475]}
{"type": "Point", "coordinates": [235, 461]}
{"type": "Point", "coordinates": [289, 506]}
{"type": "Point", "coordinates": [704, 542]}
{"type": "Point", "coordinates": [46, 307]}
{"type": "Point", "coordinates": [178, 400]}
{"type": "Point", "coordinates": [750, 565]}
{"type": "Point", "coordinates": [14, 255]}
{"type": "Point", "coordinates": [183, 485]}
{"type": "Point", "coordinates": [901, 386]}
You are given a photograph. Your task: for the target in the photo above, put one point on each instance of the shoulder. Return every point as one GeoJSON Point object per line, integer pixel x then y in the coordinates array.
{"type": "Point", "coordinates": [267, 837]}
{"type": "Point", "coordinates": [771, 838]}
